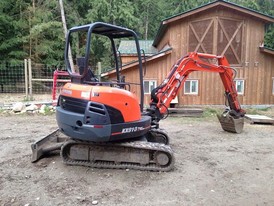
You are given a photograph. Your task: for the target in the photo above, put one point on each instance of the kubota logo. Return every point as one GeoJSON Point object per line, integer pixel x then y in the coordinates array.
{"type": "Point", "coordinates": [132, 129]}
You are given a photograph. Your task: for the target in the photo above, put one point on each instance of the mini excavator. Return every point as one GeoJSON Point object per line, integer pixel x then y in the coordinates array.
{"type": "Point", "coordinates": [104, 125]}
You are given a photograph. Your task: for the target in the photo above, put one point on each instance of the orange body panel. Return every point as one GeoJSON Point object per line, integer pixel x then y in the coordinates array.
{"type": "Point", "coordinates": [124, 101]}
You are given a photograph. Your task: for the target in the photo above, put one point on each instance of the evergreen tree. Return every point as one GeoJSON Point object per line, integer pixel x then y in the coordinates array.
{"type": "Point", "coordinates": [13, 25]}
{"type": "Point", "coordinates": [33, 28]}
{"type": "Point", "coordinates": [46, 33]}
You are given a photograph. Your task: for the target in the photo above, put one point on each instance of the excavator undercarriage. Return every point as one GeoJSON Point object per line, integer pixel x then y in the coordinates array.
{"type": "Point", "coordinates": [138, 154]}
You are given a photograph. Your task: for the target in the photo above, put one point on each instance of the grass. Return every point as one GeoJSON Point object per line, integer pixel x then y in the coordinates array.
{"type": "Point", "coordinates": [257, 111]}
{"type": "Point", "coordinates": [48, 110]}
{"type": "Point", "coordinates": [26, 99]}
{"type": "Point", "coordinates": [260, 111]}
{"type": "Point", "coordinates": [211, 112]}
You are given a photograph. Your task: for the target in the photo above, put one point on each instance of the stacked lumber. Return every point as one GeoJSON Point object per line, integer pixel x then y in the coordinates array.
{"type": "Point", "coordinates": [185, 112]}
{"type": "Point", "coordinates": [259, 119]}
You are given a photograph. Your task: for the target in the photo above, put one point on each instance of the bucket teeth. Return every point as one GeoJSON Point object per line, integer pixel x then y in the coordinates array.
{"type": "Point", "coordinates": [231, 124]}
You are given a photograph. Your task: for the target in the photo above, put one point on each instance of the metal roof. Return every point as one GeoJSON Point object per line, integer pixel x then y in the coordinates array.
{"type": "Point", "coordinates": [129, 47]}
{"type": "Point", "coordinates": [167, 50]}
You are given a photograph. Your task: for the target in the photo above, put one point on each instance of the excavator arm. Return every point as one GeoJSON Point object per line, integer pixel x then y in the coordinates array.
{"type": "Point", "coordinates": [232, 118]}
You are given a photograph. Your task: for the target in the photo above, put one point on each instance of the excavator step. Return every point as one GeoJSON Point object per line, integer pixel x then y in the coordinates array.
{"type": "Point", "coordinates": [230, 124]}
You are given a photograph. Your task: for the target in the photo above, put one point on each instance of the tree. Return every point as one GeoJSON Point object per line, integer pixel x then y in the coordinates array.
{"type": "Point", "coordinates": [46, 40]}
{"type": "Point", "coordinates": [13, 26]}
{"type": "Point", "coordinates": [63, 17]}
{"type": "Point", "coordinates": [118, 12]}
{"type": "Point", "coordinates": [33, 28]}
{"type": "Point", "coordinates": [149, 14]}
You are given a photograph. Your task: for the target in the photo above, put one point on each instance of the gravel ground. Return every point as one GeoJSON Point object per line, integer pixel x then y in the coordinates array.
{"type": "Point", "coordinates": [212, 167]}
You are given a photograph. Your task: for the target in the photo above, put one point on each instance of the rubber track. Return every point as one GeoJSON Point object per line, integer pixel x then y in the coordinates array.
{"type": "Point", "coordinates": [111, 165]}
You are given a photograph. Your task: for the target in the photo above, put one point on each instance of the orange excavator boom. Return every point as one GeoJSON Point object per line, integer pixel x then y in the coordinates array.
{"type": "Point", "coordinates": [165, 92]}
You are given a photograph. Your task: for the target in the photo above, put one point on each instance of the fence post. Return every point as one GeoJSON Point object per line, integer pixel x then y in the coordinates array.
{"type": "Point", "coordinates": [99, 71]}
{"type": "Point", "coordinates": [30, 78]}
{"type": "Point", "coordinates": [26, 77]}
{"type": "Point", "coordinates": [54, 84]}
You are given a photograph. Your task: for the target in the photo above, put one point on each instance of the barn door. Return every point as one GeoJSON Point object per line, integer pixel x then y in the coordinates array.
{"type": "Point", "coordinates": [230, 34]}
{"type": "Point", "coordinates": [221, 36]}
{"type": "Point", "coordinates": [201, 36]}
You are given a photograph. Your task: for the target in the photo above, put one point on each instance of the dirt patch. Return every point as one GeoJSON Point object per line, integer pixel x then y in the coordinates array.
{"type": "Point", "coordinates": [8, 98]}
{"type": "Point", "coordinates": [212, 168]}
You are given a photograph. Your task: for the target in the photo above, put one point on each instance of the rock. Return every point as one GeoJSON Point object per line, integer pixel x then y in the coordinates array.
{"type": "Point", "coordinates": [18, 107]}
{"type": "Point", "coordinates": [31, 107]}
{"type": "Point", "coordinates": [23, 111]}
{"type": "Point", "coordinates": [43, 109]}
{"type": "Point", "coordinates": [94, 202]}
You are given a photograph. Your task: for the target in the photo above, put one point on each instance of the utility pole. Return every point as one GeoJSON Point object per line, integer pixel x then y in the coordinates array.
{"type": "Point", "coordinates": [65, 32]}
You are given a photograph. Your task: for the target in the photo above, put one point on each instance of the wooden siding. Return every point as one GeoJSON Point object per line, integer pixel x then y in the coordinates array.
{"type": "Point", "coordinates": [128, 58]}
{"type": "Point", "coordinates": [165, 40]}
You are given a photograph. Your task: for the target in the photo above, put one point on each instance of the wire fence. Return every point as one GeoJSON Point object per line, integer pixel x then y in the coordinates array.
{"type": "Point", "coordinates": [28, 81]}
{"type": "Point", "coordinates": [12, 77]}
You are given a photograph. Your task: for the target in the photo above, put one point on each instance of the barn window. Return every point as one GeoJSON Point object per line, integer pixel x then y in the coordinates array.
{"type": "Point", "coordinates": [191, 87]}
{"type": "Point", "coordinates": [239, 84]}
{"type": "Point", "coordinates": [149, 85]}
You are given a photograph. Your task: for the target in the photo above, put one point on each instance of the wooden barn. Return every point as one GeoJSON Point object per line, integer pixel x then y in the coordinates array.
{"type": "Point", "coordinates": [220, 28]}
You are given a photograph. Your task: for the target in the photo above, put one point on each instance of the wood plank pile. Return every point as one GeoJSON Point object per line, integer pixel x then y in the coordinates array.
{"type": "Point", "coordinates": [259, 119]}
{"type": "Point", "coordinates": [185, 112]}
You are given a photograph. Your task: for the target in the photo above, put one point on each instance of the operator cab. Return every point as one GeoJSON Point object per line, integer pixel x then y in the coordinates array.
{"type": "Point", "coordinates": [91, 109]}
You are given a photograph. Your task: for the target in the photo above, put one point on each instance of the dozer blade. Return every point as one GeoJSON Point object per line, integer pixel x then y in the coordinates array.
{"type": "Point", "coordinates": [47, 145]}
{"type": "Point", "coordinates": [231, 124]}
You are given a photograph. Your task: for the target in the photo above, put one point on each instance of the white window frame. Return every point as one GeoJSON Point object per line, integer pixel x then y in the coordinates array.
{"type": "Point", "coordinates": [151, 83]}
{"type": "Point", "coordinates": [236, 82]}
{"type": "Point", "coordinates": [191, 82]}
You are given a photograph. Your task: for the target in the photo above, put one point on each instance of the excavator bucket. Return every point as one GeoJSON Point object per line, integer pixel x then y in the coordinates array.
{"type": "Point", "coordinates": [47, 145]}
{"type": "Point", "coordinates": [231, 124]}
